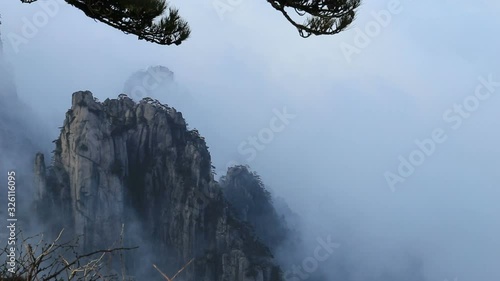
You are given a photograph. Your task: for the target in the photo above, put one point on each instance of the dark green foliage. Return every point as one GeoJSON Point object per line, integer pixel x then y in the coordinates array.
{"type": "Point", "coordinates": [146, 18]}
{"type": "Point", "coordinates": [321, 16]}
{"type": "Point", "coordinates": [253, 204]}
{"type": "Point", "coordinates": [58, 143]}
{"type": "Point", "coordinates": [154, 21]}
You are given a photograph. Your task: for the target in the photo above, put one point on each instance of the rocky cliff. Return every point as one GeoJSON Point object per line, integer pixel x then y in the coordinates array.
{"type": "Point", "coordinates": [273, 222]}
{"type": "Point", "coordinates": [253, 204]}
{"type": "Point", "coordinates": [120, 163]}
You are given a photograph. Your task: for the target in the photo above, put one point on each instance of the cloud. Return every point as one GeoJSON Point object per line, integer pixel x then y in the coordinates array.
{"type": "Point", "coordinates": [353, 119]}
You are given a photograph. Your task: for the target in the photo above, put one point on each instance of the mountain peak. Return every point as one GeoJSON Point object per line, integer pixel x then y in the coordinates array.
{"type": "Point", "coordinates": [119, 162]}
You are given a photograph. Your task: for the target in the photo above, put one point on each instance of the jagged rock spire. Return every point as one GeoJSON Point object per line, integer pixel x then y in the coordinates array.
{"type": "Point", "coordinates": [135, 164]}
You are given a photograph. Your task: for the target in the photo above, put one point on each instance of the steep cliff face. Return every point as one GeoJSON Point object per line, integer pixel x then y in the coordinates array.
{"type": "Point", "coordinates": [253, 204]}
{"type": "Point", "coordinates": [135, 164]}
{"type": "Point", "coordinates": [273, 221]}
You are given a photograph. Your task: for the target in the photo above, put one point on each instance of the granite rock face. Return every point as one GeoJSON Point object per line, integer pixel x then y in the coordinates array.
{"type": "Point", "coordinates": [135, 165]}
{"type": "Point", "coordinates": [274, 222]}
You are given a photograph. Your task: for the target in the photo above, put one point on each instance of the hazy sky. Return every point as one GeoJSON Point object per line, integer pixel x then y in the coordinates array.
{"type": "Point", "coordinates": [351, 116]}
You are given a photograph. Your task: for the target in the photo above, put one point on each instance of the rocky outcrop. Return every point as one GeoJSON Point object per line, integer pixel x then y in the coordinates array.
{"type": "Point", "coordinates": [253, 204]}
{"type": "Point", "coordinates": [135, 164]}
{"type": "Point", "coordinates": [274, 222]}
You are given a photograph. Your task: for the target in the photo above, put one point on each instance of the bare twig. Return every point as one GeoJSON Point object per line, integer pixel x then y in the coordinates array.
{"type": "Point", "coordinates": [178, 272]}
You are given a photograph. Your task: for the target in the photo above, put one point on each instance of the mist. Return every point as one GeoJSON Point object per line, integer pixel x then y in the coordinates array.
{"type": "Point", "coordinates": [331, 118]}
